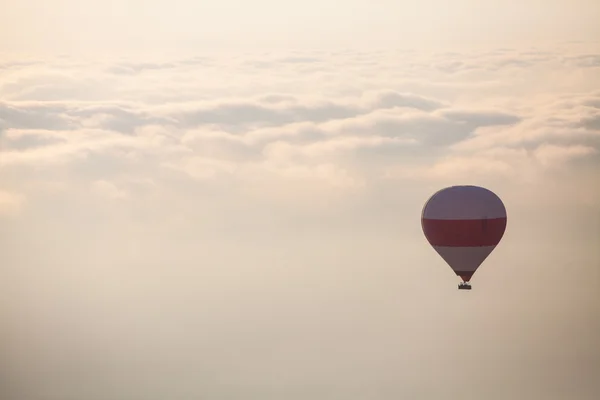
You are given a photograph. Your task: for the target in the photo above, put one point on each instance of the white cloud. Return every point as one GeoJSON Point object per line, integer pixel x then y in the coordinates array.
{"type": "Point", "coordinates": [78, 145]}
{"type": "Point", "coordinates": [266, 122]}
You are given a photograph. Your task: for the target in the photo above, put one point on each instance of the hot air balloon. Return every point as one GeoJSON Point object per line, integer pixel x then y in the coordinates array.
{"type": "Point", "coordinates": [464, 224]}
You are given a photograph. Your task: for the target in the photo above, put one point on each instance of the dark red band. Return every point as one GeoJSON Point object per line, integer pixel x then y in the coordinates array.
{"type": "Point", "coordinates": [465, 275]}
{"type": "Point", "coordinates": [464, 232]}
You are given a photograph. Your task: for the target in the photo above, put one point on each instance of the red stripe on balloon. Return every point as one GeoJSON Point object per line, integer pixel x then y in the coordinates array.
{"type": "Point", "coordinates": [464, 232]}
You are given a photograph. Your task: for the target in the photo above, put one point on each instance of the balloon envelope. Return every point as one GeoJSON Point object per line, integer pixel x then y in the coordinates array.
{"type": "Point", "coordinates": [464, 224]}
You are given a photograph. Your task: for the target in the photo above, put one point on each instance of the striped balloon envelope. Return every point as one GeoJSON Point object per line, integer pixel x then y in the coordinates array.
{"type": "Point", "coordinates": [464, 224]}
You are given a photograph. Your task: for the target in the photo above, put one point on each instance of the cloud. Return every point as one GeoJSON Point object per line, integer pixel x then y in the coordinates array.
{"type": "Point", "coordinates": [295, 133]}
{"type": "Point", "coordinates": [476, 118]}
{"type": "Point", "coordinates": [592, 123]}
{"type": "Point", "coordinates": [78, 146]}
{"type": "Point", "coordinates": [234, 113]}
{"type": "Point", "coordinates": [34, 116]}
{"type": "Point", "coordinates": [136, 68]}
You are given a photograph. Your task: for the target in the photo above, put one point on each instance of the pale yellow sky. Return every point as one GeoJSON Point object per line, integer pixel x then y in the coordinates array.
{"type": "Point", "coordinates": [116, 26]}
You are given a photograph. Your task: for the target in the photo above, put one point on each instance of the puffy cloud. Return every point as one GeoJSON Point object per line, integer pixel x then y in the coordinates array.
{"type": "Point", "coordinates": [32, 116]}
{"type": "Point", "coordinates": [77, 145]}
{"type": "Point", "coordinates": [365, 132]}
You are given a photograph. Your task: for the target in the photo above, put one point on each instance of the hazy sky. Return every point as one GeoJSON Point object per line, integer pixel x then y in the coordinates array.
{"type": "Point", "coordinates": [160, 25]}
{"type": "Point", "coordinates": [179, 222]}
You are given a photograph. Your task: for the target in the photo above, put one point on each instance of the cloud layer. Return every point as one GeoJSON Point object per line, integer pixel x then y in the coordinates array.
{"type": "Point", "coordinates": [338, 118]}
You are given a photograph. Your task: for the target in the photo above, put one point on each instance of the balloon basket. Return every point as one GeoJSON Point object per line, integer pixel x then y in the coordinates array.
{"type": "Point", "coordinates": [464, 286]}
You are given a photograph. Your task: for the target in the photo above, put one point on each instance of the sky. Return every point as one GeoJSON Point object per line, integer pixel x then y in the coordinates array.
{"type": "Point", "coordinates": [223, 200]}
